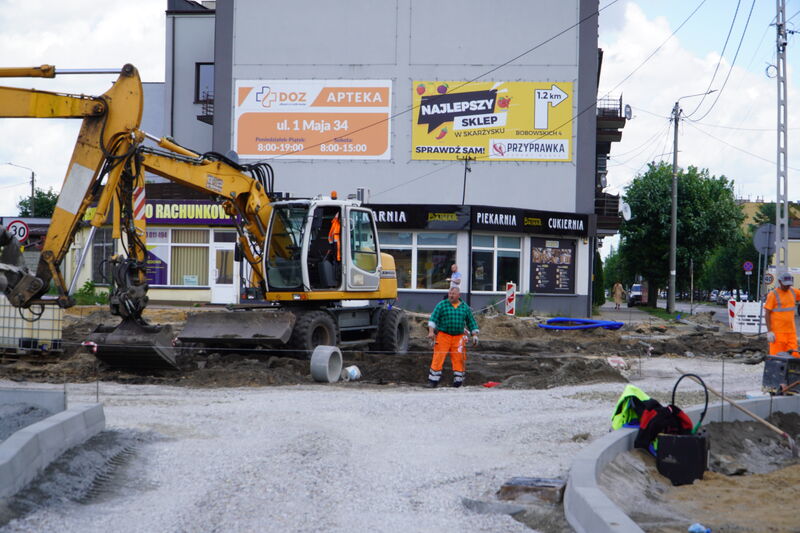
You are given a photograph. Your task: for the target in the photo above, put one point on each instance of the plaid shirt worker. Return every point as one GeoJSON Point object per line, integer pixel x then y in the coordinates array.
{"type": "Point", "coordinates": [450, 317]}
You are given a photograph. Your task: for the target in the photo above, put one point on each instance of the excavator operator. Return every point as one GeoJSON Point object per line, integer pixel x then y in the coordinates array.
{"type": "Point", "coordinates": [335, 236]}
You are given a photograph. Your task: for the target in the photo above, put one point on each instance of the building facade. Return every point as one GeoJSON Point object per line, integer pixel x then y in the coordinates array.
{"type": "Point", "coordinates": [470, 129]}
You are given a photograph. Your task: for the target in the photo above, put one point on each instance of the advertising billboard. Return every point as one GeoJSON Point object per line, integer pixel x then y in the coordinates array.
{"type": "Point", "coordinates": [492, 121]}
{"type": "Point", "coordinates": [312, 119]}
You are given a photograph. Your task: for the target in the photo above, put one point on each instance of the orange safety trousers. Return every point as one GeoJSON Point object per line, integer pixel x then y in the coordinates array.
{"type": "Point", "coordinates": [784, 342]}
{"type": "Point", "coordinates": [455, 346]}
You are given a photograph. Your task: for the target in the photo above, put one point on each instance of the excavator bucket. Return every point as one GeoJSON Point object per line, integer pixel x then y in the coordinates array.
{"type": "Point", "coordinates": [133, 346]}
{"type": "Point", "coordinates": [243, 328]}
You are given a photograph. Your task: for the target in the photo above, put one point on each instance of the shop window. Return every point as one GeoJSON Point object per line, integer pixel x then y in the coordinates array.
{"type": "Point", "coordinates": [102, 250]}
{"type": "Point", "coordinates": [433, 268]}
{"type": "Point", "coordinates": [402, 263]}
{"type": "Point", "coordinates": [224, 236]}
{"type": "Point", "coordinates": [495, 261]}
{"type": "Point", "coordinates": [422, 260]}
{"type": "Point", "coordinates": [399, 244]}
{"type": "Point", "coordinates": [189, 264]}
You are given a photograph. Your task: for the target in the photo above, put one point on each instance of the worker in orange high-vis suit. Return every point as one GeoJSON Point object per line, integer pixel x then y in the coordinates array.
{"type": "Point", "coordinates": [335, 236]}
{"type": "Point", "coordinates": [779, 311]}
{"type": "Point", "coordinates": [449, 319]}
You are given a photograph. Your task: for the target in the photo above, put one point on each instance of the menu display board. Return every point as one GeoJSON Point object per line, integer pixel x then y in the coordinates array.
{"type": "Point", "coordinates": [552, 266]}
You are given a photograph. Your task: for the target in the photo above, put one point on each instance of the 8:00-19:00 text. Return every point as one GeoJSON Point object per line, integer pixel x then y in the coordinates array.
{"type": "Point", "coordinates": [279, 147]}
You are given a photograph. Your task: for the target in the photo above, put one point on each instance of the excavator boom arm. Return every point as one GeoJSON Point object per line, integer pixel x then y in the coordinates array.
{"type": "Point", "coordinates": [106, 136]}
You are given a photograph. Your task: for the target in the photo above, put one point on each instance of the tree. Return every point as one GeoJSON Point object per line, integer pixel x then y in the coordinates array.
{"type": "Point", "coordinates": [44, 203]}
{"type": "Point", "coordinates": [724, 269]}
{"type": "Point", "coordinates": [708, 216]}
{"type": "Point", "coordinates": [766, 215]}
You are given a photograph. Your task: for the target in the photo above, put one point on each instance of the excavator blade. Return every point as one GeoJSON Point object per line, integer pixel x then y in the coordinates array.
{"type": "Point", "coordinates": [133, 346]}
{"type": "Point", "coordinates": [245, 328]}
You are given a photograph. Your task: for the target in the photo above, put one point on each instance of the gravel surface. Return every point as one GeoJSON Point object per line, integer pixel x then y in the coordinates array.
{"type": "Point", "coordinates": [334, 458]}
{"type": "Point", "coordinates": [15, 416]}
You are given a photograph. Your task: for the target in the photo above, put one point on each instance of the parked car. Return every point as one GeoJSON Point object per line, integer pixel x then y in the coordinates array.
{"type": "Point", "coordinates": [635, 295]}
{"type": "Point", "coordinates": [713, 296]}
{"type": "Point", "coordinates": [723, 297]}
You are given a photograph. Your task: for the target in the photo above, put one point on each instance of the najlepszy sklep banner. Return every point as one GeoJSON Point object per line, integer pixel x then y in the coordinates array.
{"type": "Point", "coordinates": [492, 121]}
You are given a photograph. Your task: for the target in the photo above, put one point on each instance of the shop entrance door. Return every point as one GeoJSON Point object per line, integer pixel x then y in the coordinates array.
{"type": "Point", "coordinates": [224, 275]}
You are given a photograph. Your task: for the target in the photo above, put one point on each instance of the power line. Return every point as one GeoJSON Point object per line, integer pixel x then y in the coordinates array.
{"type": "Point", "coordinates": [730, 70]}
{"type": "Point", "coordinates": [736, 147]}
{"type": "Point", "coordinates": [721, 57]}
{"type": "Point", "coordinates": [642, 147]}
{"type": "Point", "coordinates": [501, 65]}
{"type": "Point", "coordinates": [593, 104]}
{"type": "Point", "coordinates": [654, 52]}
{"type": "Point", "coordinates": [14, 185]}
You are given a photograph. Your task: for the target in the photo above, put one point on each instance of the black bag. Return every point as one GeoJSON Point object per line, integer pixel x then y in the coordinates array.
{"type": "Point", "coordinates": [683, 456]}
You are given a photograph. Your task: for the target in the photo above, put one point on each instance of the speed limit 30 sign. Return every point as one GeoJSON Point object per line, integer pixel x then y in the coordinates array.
{"type": "Point", "coordinates": [19, 229]}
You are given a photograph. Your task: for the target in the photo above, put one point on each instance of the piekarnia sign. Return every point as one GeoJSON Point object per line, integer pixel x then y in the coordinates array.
{"type": "Point", "coordinates": [416, 216]}
{"type": "Point", "coordinates": [525, 221]}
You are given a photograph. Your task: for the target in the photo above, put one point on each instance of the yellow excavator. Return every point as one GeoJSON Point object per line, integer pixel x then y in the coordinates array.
{"type": "Point", "coordinates": [315, 263]}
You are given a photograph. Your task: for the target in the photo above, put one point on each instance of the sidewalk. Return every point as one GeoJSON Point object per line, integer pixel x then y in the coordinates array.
{"type": "Point", "coordinates": [628, 315]}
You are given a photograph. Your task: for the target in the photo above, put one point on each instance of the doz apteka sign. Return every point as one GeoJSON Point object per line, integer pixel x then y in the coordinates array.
{"type": "Point", "coordinates": [313, 119]}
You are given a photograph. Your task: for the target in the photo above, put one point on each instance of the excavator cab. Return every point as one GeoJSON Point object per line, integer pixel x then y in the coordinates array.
{"type": "Point", "coordinates": [321, 245]}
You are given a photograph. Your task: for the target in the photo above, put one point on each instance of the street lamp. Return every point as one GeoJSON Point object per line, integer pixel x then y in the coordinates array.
{"type": "Point", "coordinates": [673, 234]}
{"type": "Point", "coordinates": [33, 181]}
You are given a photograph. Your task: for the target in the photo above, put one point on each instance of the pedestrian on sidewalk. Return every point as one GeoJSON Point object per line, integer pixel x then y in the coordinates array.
{"type": "Point", "coordinates": [618, 293]}
{"type": "Point", "coordinates": [446, 329]}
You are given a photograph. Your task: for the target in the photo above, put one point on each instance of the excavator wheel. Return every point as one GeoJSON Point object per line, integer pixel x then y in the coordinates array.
{"type": "Point", "coordinates": [393, 331]}
{"type": "Point", "coordinates": [312, 329]}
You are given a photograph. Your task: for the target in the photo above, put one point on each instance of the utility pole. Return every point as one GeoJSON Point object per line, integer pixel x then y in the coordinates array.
{"type": "Point", "coordinates": [782, 200]}
{"type": "Point", "coordinates": [33, 192]}
{"type": "Point", "coordinates": [673, 234]}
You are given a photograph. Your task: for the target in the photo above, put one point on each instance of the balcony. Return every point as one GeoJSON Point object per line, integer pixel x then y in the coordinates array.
{"type": "Point", "coordinates": [207, 108]}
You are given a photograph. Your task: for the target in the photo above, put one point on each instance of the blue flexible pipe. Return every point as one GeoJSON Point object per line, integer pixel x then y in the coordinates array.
{"type": "Point", "coordinates": [580, 323]}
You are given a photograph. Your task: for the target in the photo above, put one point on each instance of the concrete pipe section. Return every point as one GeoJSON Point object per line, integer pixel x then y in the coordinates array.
{"type": "Point", "coordinates": [589, 510]}
{"type": "Point", "coordinates": [326, 364]}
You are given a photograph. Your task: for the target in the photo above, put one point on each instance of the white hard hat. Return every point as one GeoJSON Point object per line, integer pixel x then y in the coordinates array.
{"type": "Point", "coordinates": [786, 279]}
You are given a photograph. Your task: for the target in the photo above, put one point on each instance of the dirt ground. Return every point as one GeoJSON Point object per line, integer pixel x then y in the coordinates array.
{"type": "Point", "coordinates": [514, 353]}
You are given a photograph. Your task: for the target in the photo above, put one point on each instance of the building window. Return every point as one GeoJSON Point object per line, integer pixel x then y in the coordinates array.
{"type": "Point", "coordinates": [422, 259]}
{"type": "Point", "coordinates": [495, 261]}
{"type": "Point", "coordinates": [102, 250]}
{"type": "Point", "coordinates": [203, 82]}
{"type": "Point", "coordinates": [189, 262]}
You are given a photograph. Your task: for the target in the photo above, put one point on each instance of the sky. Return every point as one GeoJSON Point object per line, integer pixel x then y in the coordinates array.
{"type": "Point", "coordinates": [731, 133]}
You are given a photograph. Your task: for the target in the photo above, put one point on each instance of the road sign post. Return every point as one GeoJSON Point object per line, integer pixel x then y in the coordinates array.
{"type": "Point", "coordinates": [19, 229]}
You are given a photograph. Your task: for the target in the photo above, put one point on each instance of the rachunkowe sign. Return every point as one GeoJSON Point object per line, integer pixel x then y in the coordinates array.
{"type": "Point", "coordinates": [313, 119]}
{"type": "Point", "coordinates": [492, 121]}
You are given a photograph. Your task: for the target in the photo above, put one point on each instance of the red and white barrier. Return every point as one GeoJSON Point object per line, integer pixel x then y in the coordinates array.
{"type": "Point", "coordinates": [744, 317]}
{"type": "Point", "coordinates": [511, 298]}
